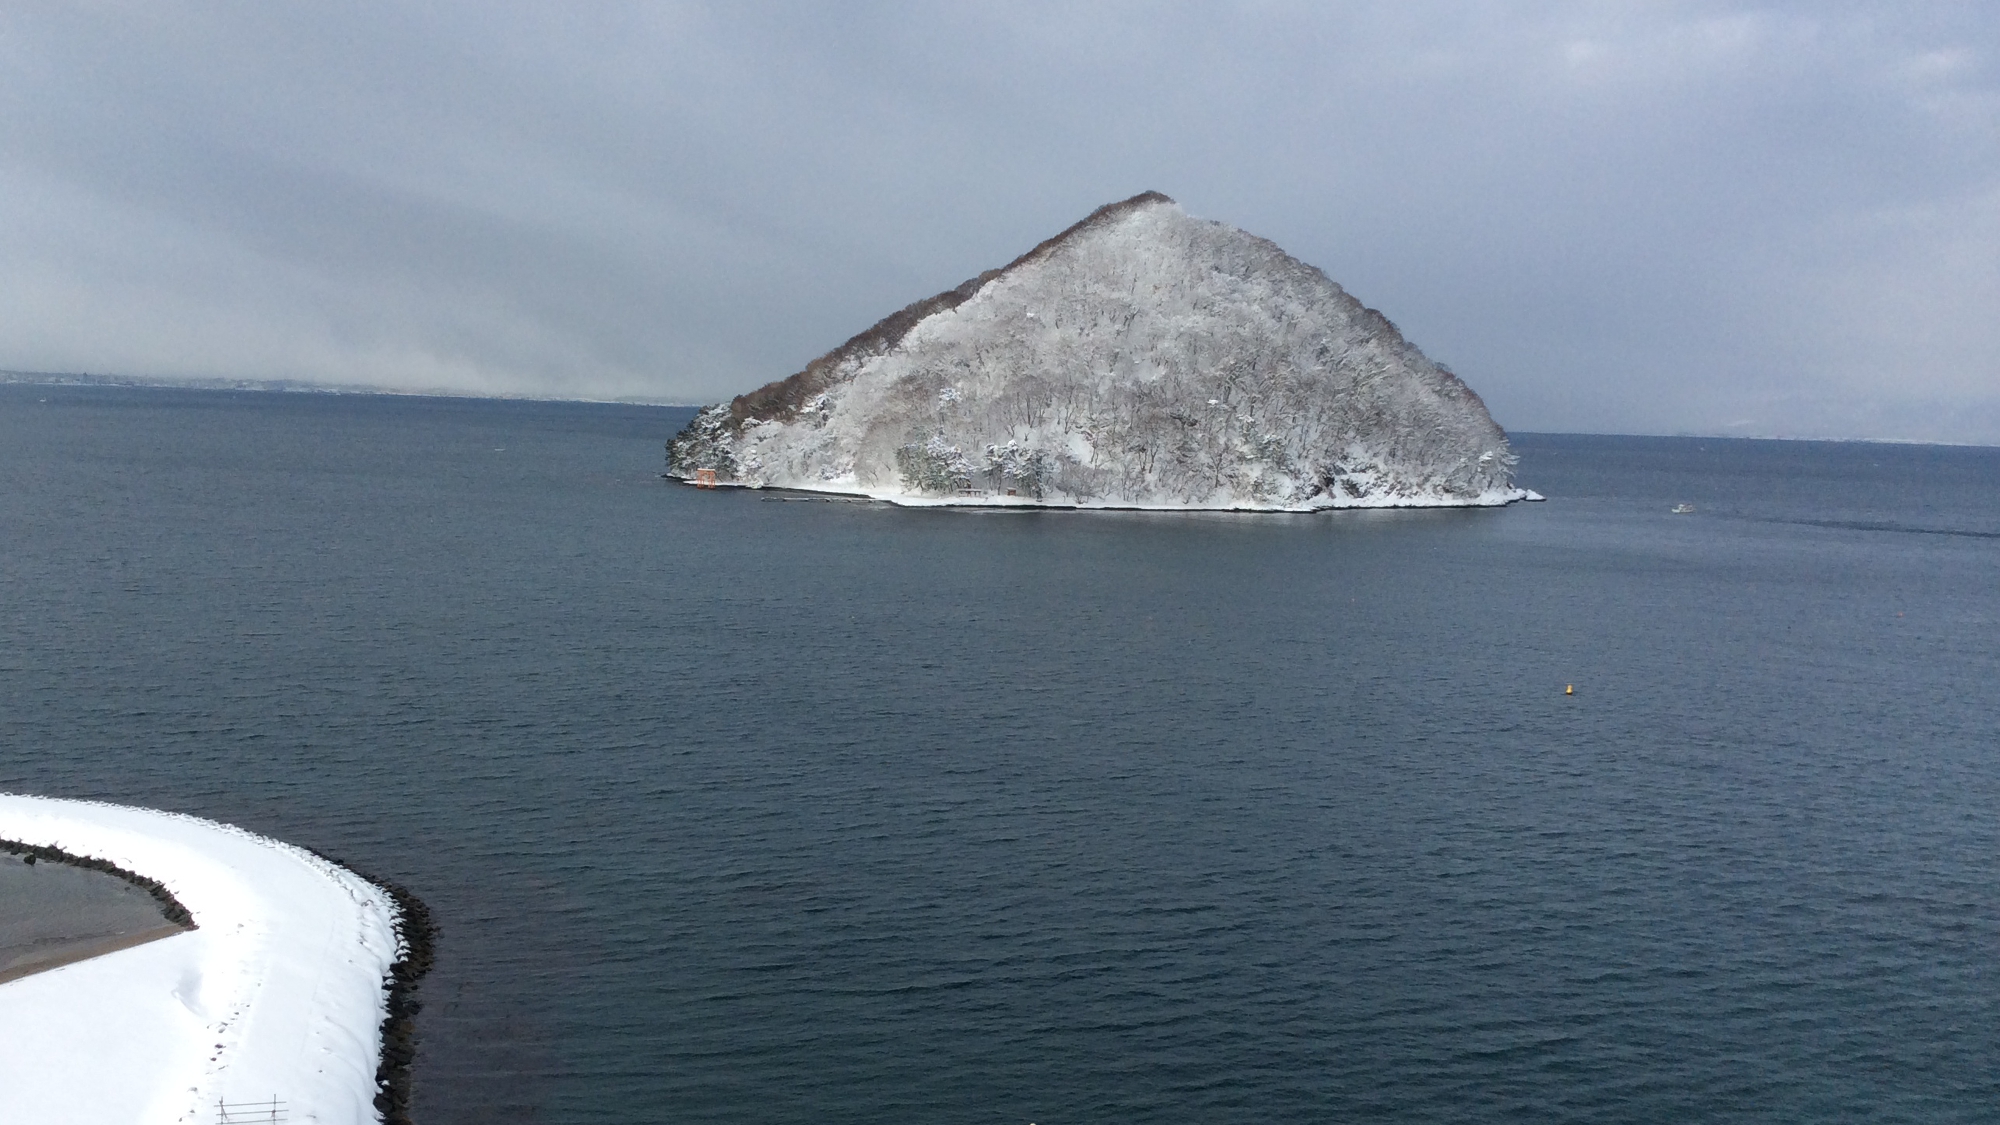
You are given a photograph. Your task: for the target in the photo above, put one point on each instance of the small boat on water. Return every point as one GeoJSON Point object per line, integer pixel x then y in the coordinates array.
{"type": "Point", "coordinates": [1682, 509]}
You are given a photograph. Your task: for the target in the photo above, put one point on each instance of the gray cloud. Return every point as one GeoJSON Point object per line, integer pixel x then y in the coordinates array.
{"type": "Point", "coordinates": [1781, 219]}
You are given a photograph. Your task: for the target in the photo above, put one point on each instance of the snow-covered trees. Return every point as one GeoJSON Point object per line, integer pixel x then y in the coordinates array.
{"type": "Point", "coordinates": [934, 466]}
{"type": "Point", "coordinates": [706, 443]}
{"type": "Point", "coordinates": [1015, 470]}
{"type": "Point", "coordinates": [1141, 358]}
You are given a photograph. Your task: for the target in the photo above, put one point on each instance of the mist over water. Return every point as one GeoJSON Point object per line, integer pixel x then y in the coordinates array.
{"type": "Point", "coordinates": [734, 810]}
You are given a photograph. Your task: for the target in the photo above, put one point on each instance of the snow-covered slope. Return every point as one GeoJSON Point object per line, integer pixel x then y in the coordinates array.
{"type": "Point", "coordinates": [1142, 358]}
{"type": "Point", "coordinates": [280, 992]}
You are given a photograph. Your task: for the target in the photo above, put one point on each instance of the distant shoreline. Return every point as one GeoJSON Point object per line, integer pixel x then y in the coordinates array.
{"type": "Point", "coordinates": [295, 386]}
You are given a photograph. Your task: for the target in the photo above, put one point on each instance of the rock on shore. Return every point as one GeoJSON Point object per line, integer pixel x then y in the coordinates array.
{"type": "Point", "coordinates": [1141, 358]}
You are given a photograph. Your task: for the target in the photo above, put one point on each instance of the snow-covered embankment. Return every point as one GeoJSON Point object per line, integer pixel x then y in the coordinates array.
{"type": "Point", "coordinates": [279, 993]}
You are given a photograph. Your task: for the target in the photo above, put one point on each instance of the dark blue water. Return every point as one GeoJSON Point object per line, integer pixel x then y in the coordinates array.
{"type": "Point", "coordinates": [783, 812]}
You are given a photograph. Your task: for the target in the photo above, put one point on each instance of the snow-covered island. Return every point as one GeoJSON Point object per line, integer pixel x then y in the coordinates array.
{"type": "Point", "coordinates": [1142, 358]}
{"type": "Point", "coordinates": [279, 994]}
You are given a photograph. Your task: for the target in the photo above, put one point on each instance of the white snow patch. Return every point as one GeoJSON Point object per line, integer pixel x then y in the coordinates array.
{"type": "Point", "coordinates": [280, 992]}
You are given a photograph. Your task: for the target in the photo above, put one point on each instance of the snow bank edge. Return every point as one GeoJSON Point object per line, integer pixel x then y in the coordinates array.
{"type": "Point", "coordinates": [1497, 498]}
{"type": "Point", "coordinates": [416, 948]}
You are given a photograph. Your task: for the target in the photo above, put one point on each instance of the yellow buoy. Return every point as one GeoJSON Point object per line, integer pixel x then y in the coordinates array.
{"type": "Point", "coordinates": [1569, 689]}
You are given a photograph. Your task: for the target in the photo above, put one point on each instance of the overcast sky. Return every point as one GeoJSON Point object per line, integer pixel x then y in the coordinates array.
{"type": "Point", "coordinates": [1643, 218]}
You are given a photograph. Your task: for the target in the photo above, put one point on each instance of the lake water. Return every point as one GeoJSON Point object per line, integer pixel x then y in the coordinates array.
{"type": "Point", "coordinates": [740, 811]}
{"type": "Point", "coordinates": [52, 914]}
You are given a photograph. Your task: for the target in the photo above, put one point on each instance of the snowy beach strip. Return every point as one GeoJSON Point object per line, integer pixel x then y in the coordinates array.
{"type": "Point", "coordinates": [279, 993]}
{"type": "Point", "coordinates": [850, 488]}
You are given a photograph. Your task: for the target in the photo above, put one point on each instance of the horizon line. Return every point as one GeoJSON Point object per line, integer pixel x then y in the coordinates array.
{"type": "Point", "coordinates": [306, 386]}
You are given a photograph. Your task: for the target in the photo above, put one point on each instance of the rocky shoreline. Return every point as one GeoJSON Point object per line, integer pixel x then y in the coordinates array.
{"type": "Point", "coordinates": [169, 905]}
{"type": "Point", "coordinates": [416, 934]}
{"type": "Point", "coordinates": [798, 495]}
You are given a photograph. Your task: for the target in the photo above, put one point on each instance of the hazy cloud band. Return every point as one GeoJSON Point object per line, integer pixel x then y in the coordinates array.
{"type": "Point", "coordinates": [1782, 219]}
